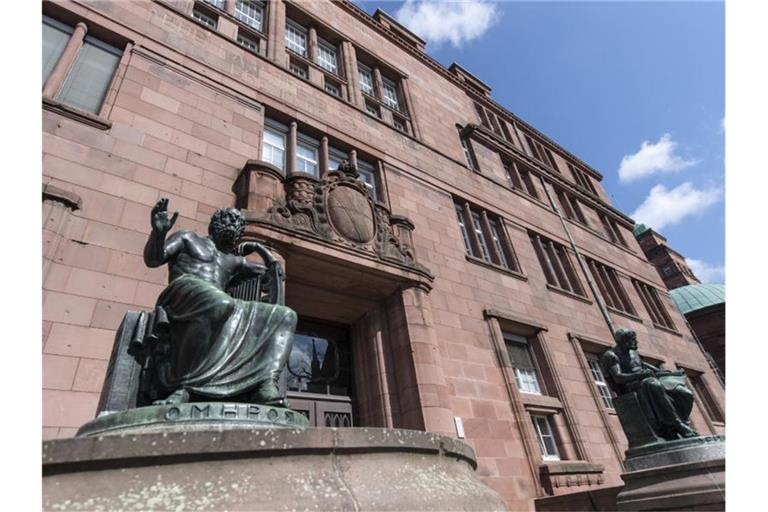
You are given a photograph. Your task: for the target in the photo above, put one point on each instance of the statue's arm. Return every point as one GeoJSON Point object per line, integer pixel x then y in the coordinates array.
{"type": "Point", "coordinates": [158, 250]}
{"type": "Point", "coordinates": [620, 377]}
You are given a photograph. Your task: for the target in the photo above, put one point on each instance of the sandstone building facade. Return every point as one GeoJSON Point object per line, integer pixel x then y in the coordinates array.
{"type": "Point", "coordinates": [437, 290]}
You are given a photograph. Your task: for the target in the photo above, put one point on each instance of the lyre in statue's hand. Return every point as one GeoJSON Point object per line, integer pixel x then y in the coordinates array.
{"type": "Point", "coordinates": [162, 221]}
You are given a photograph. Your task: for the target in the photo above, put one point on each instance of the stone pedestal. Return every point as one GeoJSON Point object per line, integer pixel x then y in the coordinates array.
{"type": "Point", "coordinates": [264, 469]}
{"type": "Point", "coordinates": [688, 474]}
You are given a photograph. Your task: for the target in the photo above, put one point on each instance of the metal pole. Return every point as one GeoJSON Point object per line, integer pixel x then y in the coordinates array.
{"type": "Point", "coordinates": [600, 304]}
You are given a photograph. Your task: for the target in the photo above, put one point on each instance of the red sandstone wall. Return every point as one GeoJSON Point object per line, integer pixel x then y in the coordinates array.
{"type": "Point", "coordinates": [185, 118]}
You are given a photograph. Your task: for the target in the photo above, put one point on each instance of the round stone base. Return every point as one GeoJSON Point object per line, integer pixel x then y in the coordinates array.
{"type": "Point", "coordinates": [264, 469]}
{"type": "Point", "coordinates": [193, 416]}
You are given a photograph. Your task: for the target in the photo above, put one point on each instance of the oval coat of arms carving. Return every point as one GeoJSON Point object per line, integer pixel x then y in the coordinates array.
{"type": "Point", "coordinates": [351, 214]}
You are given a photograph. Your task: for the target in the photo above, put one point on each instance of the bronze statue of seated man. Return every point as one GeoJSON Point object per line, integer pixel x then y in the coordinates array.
{"type": "Point", "coordinates": [209, 345]}
{"type": "Point", "coordinates": [665, 400]}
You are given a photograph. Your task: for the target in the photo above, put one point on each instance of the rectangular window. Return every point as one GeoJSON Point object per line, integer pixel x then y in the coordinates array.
{"type": "Point", "coordinates": [599, 380]}
{"type": "Point", "coordinates": [650, 299]}
{"type": "Point", "coordinates": [468, 155]}
{"type": "Point", "coordinates": [273, 146]}
{"type": "Point", "coordinates": [399, 124]}
{"type": "Point", "coordinates": [610, 287]}
{"type": "Point", "coordinates": [484, 237]}
{"type": "Point", "coordinates": [326, 56]}
{"type": "Point", "coordinates": [307, 155]}
{"type": "Point", "coordinates": [248, 42]}
{"type": "Point", "coordinates": [296, 38]}
{"type": "Point", "coordinates": [522, 362]}
{"type": "Point", "coordinates": [556, 264]}
{"type": "Point", "coordinates": [299, 70]}
{"type": "Point", "coordinates": [570, 206]}
{"type": "Point", "coordinates": [372, 109]}
{"type": "Point", "coordinates": [367, 175]}
{"type": "Point", "coordinates": [250, 12]}
{"type": "Point", "coordinates": [335, 158]}
{"type": "Point", "coordinates": [88, 80]}
{"type": "Point", "coordinates": [217, 3]}
{"type": "Point", "coordinates": [582, 179]}
{"type": "Point", "coordinates": [546, 438]}
{"type": "Point", "coordinates": [55, 38]}
{"type": "Point", "coordinates": [332, 89]}
{"type": "Point", "coordinates": [390, 94]}
{"type": "Point", "coordinates": [711, 406]}
{"type": "Point", "coordinates": [520, 178]}
{"type": "Point", "coordinates": [209, 20]}
{"type": "Point", "coordinates": [366, 79]}
{"type": "Point", "coordinates": [612, 230]}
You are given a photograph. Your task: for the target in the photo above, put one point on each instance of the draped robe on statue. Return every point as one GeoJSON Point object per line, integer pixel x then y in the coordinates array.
{"type": "Point", "coordinates": [218, 346]}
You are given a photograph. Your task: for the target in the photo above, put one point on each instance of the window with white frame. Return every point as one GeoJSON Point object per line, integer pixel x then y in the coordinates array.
{"type": "Point", "coordinates": [273, 146]}
{"type": "Point", "coordinates": [326, 56]}
{"type": "Point", "coordinates": [366, 79]}
{"type": "Point", "coordinates": [335, 158]}
{"type": "Point", "coordinates": [55, 38]}
{"type": "Point", "coordinates": [217, 3]}
{"type": "Point", "coordinates": [399, 124]}
{"type": "Point", "coordinates": [250, 12]}
{"type": "Point", "coordinates": [90, 75]}
{"type": "Point", "coordinates": [599, 379]}
{"type": "Point", "coordinates": [332, 88]}
{"type": "Point", "coordinates": [307, 155]}
{"type": "Point", "coordinates": [204, 17]}
{"type": "Point", "coordinates": [298, 69]}
{"type": "Point", "coordinates": [546, 437]}
{"type": "Point", "coordinates": [248, 42]}
{"type": "Point", "coordinates": [522, 362]}
{"type": "Point", "coordinates": [367, 175]}
{"type": "Point", "coordinates": [296, 38]}
{"type": "Point", "coordinates": [390, 94]}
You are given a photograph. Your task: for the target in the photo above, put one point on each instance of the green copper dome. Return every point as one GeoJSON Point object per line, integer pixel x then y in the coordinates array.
{"type": "Point", "coordinates": [640, 229]}
{"type": "Point", "coordinates": [698, 296]}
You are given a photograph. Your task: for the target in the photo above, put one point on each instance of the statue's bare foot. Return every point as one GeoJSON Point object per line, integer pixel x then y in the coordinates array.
{"type": "Point", "coordinates": [180, 396]}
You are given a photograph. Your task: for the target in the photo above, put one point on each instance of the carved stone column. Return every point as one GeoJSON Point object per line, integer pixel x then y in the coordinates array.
{"type": "Point", "coordinates": [290, 156]}
{"type": "Point", "coordinates": [350, 72]}
{"type": "Point", "coordinates": [276, 36]}
{"type": "Point", "coordinates": [323, 160]}
{"type": "Point", "coordinates": [59, 72]}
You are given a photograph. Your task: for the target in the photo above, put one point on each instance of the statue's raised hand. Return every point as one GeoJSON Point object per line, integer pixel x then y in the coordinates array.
{"type": "Point", "coordinates": [162, 221]}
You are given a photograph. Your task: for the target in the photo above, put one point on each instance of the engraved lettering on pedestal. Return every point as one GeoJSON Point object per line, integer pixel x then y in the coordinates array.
{"type": "Point", "coordinates": [272, 415]}
{"type": "Point", "coordinates": [229, 411]}
{"type": "Point", "coordinates": [253, 412]}
{"type": "Point", "coordinates": [172, 413]}
{"type": "Point", "coordinates": [201, 412]}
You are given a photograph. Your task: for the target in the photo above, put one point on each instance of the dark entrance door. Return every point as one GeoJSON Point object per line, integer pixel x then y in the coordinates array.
{"type": "Point", "coordinates": [319, 376]}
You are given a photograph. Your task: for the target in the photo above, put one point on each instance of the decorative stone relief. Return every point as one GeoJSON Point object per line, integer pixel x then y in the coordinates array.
{"type": "Point", "coordinates": [336, 208]}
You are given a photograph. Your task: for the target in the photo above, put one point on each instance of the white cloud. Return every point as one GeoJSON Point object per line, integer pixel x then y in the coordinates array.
{"type": "Point", "coordinates": [705, 272]}
{"type": "Point", "coordinates": [664, 207]}
{"type": "Point", "coordinates": [651, 159]}
{"type": "Point", "coordinates": [454, 21]}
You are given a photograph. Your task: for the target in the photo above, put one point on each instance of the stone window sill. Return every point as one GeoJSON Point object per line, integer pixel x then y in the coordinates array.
{"type": "Point", "coordinates": [541, 403]}
{"type": "Point", "coordinates": [494, 266]}
{"type": "Point", "coordinates": [76, 114]}
{"type": "Point", "coordinates": [625, 314]}
{"type": "Point", "coordinates": [667, 329]}
{"type": "Point", "coordinates": [568, 294]}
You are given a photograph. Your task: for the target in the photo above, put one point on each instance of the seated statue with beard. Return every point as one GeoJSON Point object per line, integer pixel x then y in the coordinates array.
{"type": "Point", "coordinates": [209, 344]}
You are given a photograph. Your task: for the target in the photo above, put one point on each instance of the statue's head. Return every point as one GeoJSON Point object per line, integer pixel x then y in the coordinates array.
{"type": "Point", "coordinates": [226, 228]}
{"type": "Point", "coordinates": [626, 338]}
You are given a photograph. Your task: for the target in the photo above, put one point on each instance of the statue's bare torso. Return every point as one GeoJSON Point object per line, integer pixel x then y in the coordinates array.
{"type": "Point", "coordinates": [191, 254]}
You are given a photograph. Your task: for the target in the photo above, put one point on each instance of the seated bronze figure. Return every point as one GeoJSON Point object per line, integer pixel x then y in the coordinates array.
{"type": "Point", "coordinates": [205, 343]}
{"type": "Point", "coordinates": [664, 400]}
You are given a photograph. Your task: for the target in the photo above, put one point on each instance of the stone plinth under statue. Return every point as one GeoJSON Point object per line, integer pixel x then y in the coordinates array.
{"type": "Point", "coordinates": [264, 469]}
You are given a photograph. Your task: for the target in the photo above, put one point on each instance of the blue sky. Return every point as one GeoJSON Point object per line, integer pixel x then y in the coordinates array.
{"type": "Point", "coordinates": [631, 86]}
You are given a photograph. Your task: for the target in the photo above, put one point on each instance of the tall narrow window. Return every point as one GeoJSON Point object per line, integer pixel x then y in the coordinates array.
{"type": "Point", "coordinates": [582, 179]}
{"type": "Point", "coordinates": [545, 437]}
{"type": "Point", "coordinates": [365, 78]}
{"type": "Point", "coordinates": [612, 230]}
{"type": "Point", "coordinates": [55, 38]}
{"type": "Point", "coordinates": [273, 146]}
{"type": "Point", "coordinates": [88, 80]}
{"type": "Point", "coordinates": [468, 155]}
{"type": "Point", "coordinates": [250, 12]}
{"type": "Point", "coordinates": [650, 299]}
{"type": "Point", "coordinates": [599, 380]}
{"type": "Point", "coordinates": [326, 56]}
{"type": "Point", "coordinates": [610, 287]}
{"type": "Point", "coordinates": [367, 176]}
{"type": "Point", "coordinates": [296, 38]}
{"type": "Point", "coordinates": [556, 264]}
{"type": "Point", "coordinates": [523, 364]}
{"type": "Point", "coordinates": [498, 242]}
{"type": "Point", "coordinates": [480, 236]}
{"type": "Point", "coordinates": [570, 206]}
{"type": "Point", "coordinates": [711, 406]}
{"type": "Point", "coordinates": [463, 226]}
{"type": "Point", "coordinates": [335, 158]}
{"type": "Point", "coordinates": [307, 155]}
{"type": "Point", "coordinates": [526, 178]}
{"type": "Point", "coordinates": [390, 94]}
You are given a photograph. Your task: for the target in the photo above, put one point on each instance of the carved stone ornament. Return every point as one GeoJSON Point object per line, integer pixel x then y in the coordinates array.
{"type": "Point", "coordinates": [337, 208]}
